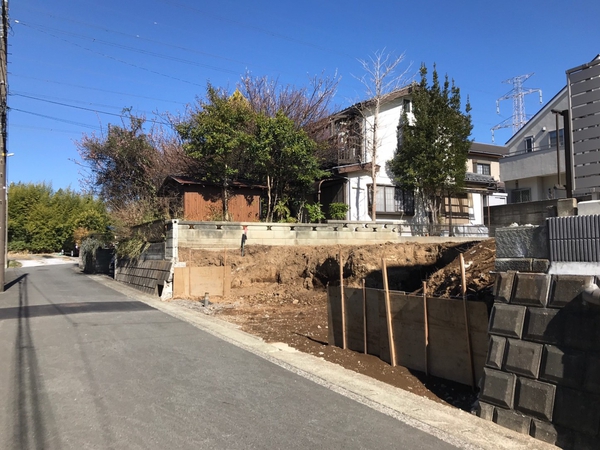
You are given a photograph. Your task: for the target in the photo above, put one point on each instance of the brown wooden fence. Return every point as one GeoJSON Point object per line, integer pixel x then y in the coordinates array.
{"type": "Point", "coordinates": [429, 334]}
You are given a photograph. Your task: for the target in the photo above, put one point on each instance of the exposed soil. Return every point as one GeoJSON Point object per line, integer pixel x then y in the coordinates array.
{"type": "Point", "coordinates": [278, 294]}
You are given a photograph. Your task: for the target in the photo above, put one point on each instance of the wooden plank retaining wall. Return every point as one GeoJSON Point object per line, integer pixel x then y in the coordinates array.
{"type": "Point", "coordinates": [447, 348]}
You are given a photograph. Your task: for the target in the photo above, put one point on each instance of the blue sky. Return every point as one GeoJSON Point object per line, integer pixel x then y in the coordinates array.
{"type": "Point", "coordinates": [71, 62]}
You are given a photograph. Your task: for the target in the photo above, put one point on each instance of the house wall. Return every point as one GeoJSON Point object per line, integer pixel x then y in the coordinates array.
{"type": "Point", "coordinates": [357, 194]}
{"type": "Point", "coordinates": [204, 203]}
{"type": "Point", "coordinates": [535, 169]}
{"type": "Point", "coordinates": [530, 165]}
{"type": "Point", "coordinates": [493, 162]}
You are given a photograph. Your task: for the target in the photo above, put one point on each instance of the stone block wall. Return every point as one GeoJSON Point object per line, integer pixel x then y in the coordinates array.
{"type": "Point", "coordinates": [148, 276]}
{"type": "Point", "coordinates": [542, 373]}
{"type": "Point", "coordinates": [524, 249]}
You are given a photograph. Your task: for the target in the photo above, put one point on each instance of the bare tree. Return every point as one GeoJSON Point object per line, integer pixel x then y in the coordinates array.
{"type": "Point", "coordinates": [305, 105]}
{"type": "Point", "coordinates": [126, 165]}
{"type": "Point", "coordinates": [379, 79]}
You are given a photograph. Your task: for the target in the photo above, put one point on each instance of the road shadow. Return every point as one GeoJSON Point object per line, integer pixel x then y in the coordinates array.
{"type": "Point", "coordinates": [56, 309]}
{"type": "Point", "coordinates": [32, 416]}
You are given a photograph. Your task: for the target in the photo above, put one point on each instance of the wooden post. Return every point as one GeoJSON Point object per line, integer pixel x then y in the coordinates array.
{"type": "Point", "coordinates": [426, 326]}
{"type": "Point", "coordinates": [388, 313]}
{"type": "Point", "coordinates": [364, 292]}
{"type": "Point", "coordinates": [343, 300]}
{"type": "Point", "coordinates": [466, 311]}
{"type": "Point", "coordinates": [224, 269]}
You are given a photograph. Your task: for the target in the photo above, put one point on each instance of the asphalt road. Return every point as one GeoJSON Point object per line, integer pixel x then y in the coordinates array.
{"type": "Point", "coordinates": [83, 366]}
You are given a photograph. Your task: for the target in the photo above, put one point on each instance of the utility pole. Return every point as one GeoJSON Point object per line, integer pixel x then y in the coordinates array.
{"type": "Point", "coordinates": [3, 132]}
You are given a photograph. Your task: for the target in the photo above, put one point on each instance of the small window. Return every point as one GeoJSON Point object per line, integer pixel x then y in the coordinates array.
{"type": "Point", "coordinates": [529, 144]}
{"type": "Point", "coordinates": [483, 169]}
{"type": "Point", "coordinates": [561, 137]}
{"type": "Point", "coordinates": [393, 200]}
{"type": "Point", "coordinates": [407, 105]}
{"type": "Point", "coordinates": [520, 195]}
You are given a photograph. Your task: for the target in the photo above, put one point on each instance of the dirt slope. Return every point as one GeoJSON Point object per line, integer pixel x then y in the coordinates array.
{"type": "Point", "coordinates": [278, 293]}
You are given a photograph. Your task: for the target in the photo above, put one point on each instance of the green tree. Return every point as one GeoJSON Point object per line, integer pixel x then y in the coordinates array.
{"type": "Point", "coordinates": [433, 146]}
{"type": "Point", "coordinates": [219, 133]}
{"type": "Point", "coordinates": [232, 142]}
{"type": "Point", "coordinates": [284, 157]}
{"type": "Point", "coordinates": [41, 220]}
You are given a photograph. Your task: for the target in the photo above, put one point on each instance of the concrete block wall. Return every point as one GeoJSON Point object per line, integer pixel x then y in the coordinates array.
{"type": "Point", "coordinates": [542, 372]}
{"type": "Point", "coordinates": [219, 235]}
{"type": "Point", "coordinates": [531, 213]}
{"type": "Point", "coordinates": [523, 249]}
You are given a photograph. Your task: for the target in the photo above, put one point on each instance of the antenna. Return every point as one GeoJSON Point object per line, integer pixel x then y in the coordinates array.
{"type": "Point", "coordinates": [517, 93]}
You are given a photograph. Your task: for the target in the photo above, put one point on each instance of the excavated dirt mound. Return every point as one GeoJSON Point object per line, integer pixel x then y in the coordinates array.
{"type": "Point", "coordinates": [278, 293]}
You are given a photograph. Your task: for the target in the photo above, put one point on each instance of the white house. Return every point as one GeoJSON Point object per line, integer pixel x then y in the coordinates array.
{"type": "Point", "coordinates": [530, 170]}
{"type": "Point", "coordinates": [351, 134]}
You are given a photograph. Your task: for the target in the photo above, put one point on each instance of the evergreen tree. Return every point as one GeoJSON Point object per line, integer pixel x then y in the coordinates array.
{"type": "Point", "coordinates": [433, 145]}
{"type": "Point", "coordinates": [218, 134]}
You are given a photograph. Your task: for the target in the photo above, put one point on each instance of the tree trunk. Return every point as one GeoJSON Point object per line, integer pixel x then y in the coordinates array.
{"type": "Point", "coordinates": [269, 203]}
{"type": "Point", "coordinates": [225, 196]}
{"type": "Point", "coordinates": [374, 162]}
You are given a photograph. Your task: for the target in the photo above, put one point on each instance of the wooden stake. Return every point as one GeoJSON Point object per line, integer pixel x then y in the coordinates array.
{"type": "Point", "coordinates": [224, 269]}
{"type": "Point", "coordinates": [388, 313]}
{"type": "Point", "coordinates": [364, 292]}
{"type": "Point", "coordinates": [466, 311]}
{"type": "Point", "coordinates": [426, 326]}
{"type": "Point", "coordinates": [343, 300]}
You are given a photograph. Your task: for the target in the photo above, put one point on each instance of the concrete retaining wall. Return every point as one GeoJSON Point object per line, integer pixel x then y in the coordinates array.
{"type": "Point", "coordinates": [531, 213]}
{"type": "Point", "coordinates": [220, 235]}
{"type": "Point", "coordinates": [524, 249]}
{"type": "Point", "coordinates": [542, 372]}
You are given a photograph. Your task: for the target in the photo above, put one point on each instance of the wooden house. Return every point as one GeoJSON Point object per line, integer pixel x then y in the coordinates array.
{"type": "Point", "coordinates": [197, 200]}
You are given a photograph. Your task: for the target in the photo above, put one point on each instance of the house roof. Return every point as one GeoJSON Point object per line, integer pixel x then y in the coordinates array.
{"type": "Point", "coordinates": [520, 135]}
{"type": "Point", "coordinates": [475, 182]}
{"type": "Point", "coordinates": [488, 150]}
{"type": "Point", "coordinates": [391, 96]}
{"type": "Point", "coordinates": [184, 180]}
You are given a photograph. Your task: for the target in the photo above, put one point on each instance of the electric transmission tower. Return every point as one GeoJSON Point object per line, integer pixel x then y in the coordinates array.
{"type": "Point", "coordinates": [517, 93]}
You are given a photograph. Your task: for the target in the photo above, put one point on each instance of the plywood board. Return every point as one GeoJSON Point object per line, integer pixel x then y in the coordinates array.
{"type": "Point", "coordinates": [448, 351]}
{"type": "Point", "coordinates": [197, 281]}
{"type": "Point", "coordinates": [181, 282]}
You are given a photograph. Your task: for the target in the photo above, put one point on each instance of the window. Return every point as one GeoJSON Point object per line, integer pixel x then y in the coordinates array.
{"type": "Point", "coordinates": [529, 144]}
{"type": "Point", "coordinates": [393, 200]}
{"type": "Point", "coordinates": [561, 137]}
{"type": "Point", "coordinates": [407, 105]}
{"type": "Point", "coordinates": [520, 195]}
{"type": "Point", "coordinates": [483, 169]}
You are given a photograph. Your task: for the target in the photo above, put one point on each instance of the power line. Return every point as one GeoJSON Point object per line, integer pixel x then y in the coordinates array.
{"type": "Point", "coordinates": [119, 60]}
{"type": "Point", "coordinates": [152, 41]}
{"type": "Point", "coordinates": [123, 116]}
{"type": "Point", "coordinates": [96, 89]}
{"type": "Point", "coordinates": [49, 31]}
{"type": "Point", "coordinates": [259, 29]}
{"type": "Point", "coordinates": [53, 130]}
{"type": "Point", "coordinates": [70, 122]}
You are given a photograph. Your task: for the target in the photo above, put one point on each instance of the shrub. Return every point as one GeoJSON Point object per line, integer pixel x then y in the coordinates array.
{"type": "Point", "coordinates": [338, 211]}
{"type": "Point", "coordinates": [315, 214]}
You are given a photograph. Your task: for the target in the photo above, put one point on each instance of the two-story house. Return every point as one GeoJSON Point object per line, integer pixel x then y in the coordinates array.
{"type": "Point", "coordinates": [534, 168]}
{"type": "Point", "coordinates": [530, 170]}
{"type": "Point", "coordinates": [350, 132]}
